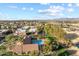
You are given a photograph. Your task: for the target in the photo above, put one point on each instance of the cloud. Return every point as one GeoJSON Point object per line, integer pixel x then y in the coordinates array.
{"type": "Point", "coordinates": [63, 4]}
{"type": "Point", "coordinates": [44, 3]}
{"type": "Point", "coordinates": [53, 11]}
{"type": "Point", "coordinates": [23, 8]}
{"type": "Point", "coordinates": [31, 8]}
{"type": "Point", "coordinates": [56, 8]}
{"type": "Point", "coordinates": [13, 7]}
{"type": "Point", "coordinates": [56, 14]}
{"type": "Point", "coordinates": [70, 5]}
{"type": "Point", "coordinates": [77, 4]}
{"type": "Point", "coordinates": [70, 10]}
{"type": "Point", "coordinates": [4, 16]}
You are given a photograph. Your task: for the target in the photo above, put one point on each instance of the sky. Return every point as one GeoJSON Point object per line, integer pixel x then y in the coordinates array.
{"type": "Point", "coordinates": [21, 11]}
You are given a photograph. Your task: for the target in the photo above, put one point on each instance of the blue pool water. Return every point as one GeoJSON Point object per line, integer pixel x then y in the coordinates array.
{"type": "Point", "coordinates": [39, 42]}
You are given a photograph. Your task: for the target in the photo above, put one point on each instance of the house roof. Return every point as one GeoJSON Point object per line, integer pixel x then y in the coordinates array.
{"type": "Point", "coordinates": [30, 47]}
{"type": "Point", "coordinates": [24, 48]}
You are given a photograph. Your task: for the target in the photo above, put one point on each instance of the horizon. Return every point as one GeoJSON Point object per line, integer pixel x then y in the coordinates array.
{"type": "Point", "coordinates": [32, 11]}
{"type": "Point", "coordinates": [55, 19]}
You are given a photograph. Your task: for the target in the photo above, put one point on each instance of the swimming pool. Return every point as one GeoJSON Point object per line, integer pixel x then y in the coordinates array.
{"type": "Point", "coordinates": [39, 42]}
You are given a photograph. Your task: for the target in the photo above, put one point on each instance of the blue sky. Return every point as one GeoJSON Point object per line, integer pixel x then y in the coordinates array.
{"type": "Point", "coordinates": [19, 11]}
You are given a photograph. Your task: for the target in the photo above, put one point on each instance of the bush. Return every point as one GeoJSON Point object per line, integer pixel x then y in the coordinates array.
{"type": "Point", "coordinates": [9, 54]}
{"type": "Point", "coordinates": [65, 53]}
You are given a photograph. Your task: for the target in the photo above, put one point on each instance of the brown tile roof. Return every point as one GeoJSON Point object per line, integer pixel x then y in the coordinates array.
{"type": "Point", "coordinates": [25, 48]}
{"type": "Point", "coordinates": [30, 47]}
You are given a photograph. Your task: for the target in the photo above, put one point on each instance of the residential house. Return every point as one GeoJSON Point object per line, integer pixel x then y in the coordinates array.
{"type": "Point", "coordinates": [23, 48]}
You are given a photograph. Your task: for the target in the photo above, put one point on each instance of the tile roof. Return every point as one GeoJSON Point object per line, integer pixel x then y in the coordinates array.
{"type": "Point", "coordinates": [30, 47]}
{"type": "Point", "coordinates": [25, 48]}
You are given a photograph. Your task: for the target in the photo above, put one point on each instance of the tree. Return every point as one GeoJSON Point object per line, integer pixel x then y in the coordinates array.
{"type": "Point", "coordinates": [56, 32]}
{"type": "Point", "coordinates": [64, 53]}
{"type": "Point", "coordinates": [10, 40]}
{"type": "Point", "coordinates": [2, 49]}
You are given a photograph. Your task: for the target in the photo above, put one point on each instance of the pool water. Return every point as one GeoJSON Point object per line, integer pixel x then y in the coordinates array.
{"type": "Point", "coordinates": [39, 42]}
